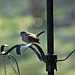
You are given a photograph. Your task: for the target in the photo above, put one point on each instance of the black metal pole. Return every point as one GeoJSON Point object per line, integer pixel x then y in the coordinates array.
{"type": "Point", "coordinates": [50, 44]}
{"type": "Point", "coordinates": [50, 26]}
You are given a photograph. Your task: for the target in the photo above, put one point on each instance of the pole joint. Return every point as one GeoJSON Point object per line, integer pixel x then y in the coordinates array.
{"type": "Point", "coordinates": [51, 62]}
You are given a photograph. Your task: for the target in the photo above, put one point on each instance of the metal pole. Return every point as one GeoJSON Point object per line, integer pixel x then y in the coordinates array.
{"type": "Point", "coordinates": [50, 26]}
{"type": "Point", "coordinates": [50, 44]}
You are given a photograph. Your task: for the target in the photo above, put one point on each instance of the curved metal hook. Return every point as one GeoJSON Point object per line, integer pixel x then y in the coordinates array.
{"type": "Point", "coordinates": [18, 51]}
{"type": "Point", "coordinates": [29, 46]}
{"type": "Point", "coordinates": [24, 48]}
{"type": "Point", "coordinates": [16, 46]}
{"type": "Point", "coordinates": [37, 53]}
{"type": "Point", "coordinates": [40, 54]}
{"type": "Point", "coordinates": [2, 48]}
{"type": "Point", "coordinates": [10, 49]}
{"type": "Point", "coordinates": [4, 53]}
{"type": "Point", "coordinates": [67, 56]}
{"type": "Point", "coordinates": [41, 57]}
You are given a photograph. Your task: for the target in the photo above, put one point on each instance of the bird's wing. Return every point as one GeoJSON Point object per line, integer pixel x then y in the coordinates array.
{"type": "Point", "coordinates": [32, 38]}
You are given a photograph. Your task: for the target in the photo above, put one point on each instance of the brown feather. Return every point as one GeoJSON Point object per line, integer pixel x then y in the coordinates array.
{"type": "Point", "coordinates": [37, 35]}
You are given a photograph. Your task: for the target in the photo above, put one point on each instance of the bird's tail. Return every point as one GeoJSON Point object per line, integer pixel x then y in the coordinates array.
{"type": "Point", "coordinates": [37, 35]}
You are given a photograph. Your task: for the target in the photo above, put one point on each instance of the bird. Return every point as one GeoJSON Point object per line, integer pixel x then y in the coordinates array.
{"type": "Point", "coordinates": [30, 37]}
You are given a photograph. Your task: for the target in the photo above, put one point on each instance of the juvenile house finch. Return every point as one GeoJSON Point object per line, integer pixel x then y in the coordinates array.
{"type": "Point", "coordinates": [30, 37]}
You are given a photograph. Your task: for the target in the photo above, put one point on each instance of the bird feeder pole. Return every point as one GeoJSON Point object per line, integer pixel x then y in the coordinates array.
{"type": "Point", "coordinates": [50, 27]}
{"type": "Point", "coordinates": [50, 42]}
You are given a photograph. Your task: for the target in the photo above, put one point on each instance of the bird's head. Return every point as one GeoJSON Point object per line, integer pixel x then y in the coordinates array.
{"type": "Point", "coordinates": [23, 33]}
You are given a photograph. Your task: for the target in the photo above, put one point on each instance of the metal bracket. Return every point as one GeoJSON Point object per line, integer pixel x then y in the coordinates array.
{"type": "Point", "coordinates": [51, 64]}
{"type": "Point", "coordinates": [50, 60]}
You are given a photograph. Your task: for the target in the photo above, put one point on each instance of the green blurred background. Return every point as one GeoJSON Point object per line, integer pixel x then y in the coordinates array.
{"type": "Point", "coordinates": [30, 15]}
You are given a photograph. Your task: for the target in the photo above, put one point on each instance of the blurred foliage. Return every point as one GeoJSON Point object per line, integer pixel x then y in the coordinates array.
{"type": "Point", "coordinates": [30, 15]}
